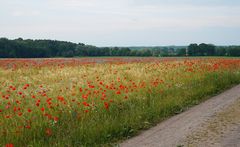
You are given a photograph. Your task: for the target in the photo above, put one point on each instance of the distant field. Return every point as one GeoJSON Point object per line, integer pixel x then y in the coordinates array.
{"type": "Point", "coordinates": [73, 102]}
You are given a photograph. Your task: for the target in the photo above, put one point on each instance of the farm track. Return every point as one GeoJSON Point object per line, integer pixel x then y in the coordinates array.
{"type": "Point", "coordinates": [215, 122]}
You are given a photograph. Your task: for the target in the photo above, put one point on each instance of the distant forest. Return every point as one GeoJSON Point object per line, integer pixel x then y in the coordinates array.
{"type": "Point", "coordinates": [20, 48]}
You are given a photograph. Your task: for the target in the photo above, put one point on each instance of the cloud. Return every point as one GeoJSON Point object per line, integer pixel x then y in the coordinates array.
{"type": "Point", "coordinates": [25, 13]}
{"type": "Point", "coordinates": [111, 15]}
{"type": "Point", "coordinates": [91, 19]}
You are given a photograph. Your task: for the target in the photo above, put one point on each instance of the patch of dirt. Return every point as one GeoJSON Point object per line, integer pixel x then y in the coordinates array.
{"type": "Point", "coordinates": [223, 129]}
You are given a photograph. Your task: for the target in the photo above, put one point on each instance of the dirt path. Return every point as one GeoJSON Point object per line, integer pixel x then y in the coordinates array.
{"type": "Point", "coordinates": [222, 129]}
{"type": "Point", "coordinates": [216, 122]}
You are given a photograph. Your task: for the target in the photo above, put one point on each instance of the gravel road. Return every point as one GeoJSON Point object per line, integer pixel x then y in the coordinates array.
{"type": "Point", "coordinates": [213, 123]}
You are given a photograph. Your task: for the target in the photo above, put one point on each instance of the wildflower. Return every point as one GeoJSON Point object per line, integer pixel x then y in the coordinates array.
{"type": "Point", "coordinates": [28, 127]}
{"type": "Point", "coordinates": [48, 132]}
{"type": "Point", "coordinates": [80, 89]}
{"type": "Point", "coordinates": [55, 119]}
{"type": "Point", "coordinates": [85, 104]}
{"type": "Point", "coordinates": [29, 110]}
{"type": "Point", "coordinates": [9, 145]}
{"type": "Point", "coordinates": [60, 98]}
{"type": "Point", "coordinates": [106, 105]}
{"type": "Point", "coordinates": [42, 109]}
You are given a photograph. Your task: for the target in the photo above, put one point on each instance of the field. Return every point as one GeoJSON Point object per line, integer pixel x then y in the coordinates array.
{"type": "Point", "coordinates": [99, 101]}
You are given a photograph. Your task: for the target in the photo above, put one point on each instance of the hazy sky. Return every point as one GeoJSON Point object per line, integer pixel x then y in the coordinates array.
{"type": "Point", "coordinates": [123, 22]}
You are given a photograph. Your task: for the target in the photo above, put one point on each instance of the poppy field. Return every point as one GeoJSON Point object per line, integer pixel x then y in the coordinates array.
{"type": "Point", "coordinates": [99, 101]}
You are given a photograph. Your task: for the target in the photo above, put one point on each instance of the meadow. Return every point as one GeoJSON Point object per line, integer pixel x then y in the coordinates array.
{"type": "Point", "coordinates": [99, 101]}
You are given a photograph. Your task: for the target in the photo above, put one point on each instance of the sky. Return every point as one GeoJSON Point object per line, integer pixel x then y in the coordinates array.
{"type": "Point", "coordinates": [123, 22]}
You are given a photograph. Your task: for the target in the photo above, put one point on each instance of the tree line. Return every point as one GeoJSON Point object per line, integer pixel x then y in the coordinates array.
{"type": "Point", "coordinates": [20, 48]}
{"type": "Point", "coordinates": [211, 50]}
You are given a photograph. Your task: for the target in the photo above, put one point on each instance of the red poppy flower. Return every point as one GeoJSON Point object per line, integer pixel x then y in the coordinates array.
{"type": "Point", "coordinates": [48, 132]}
{"type": "Point", "coordinates": [28, 127]}
{"type": "Point", "coordinates": [106, 105]}
{"type": "Point", "coordinates": [9, 145]}
{"type": "Point", "coordinates": [29, 110]}
{"type": "Point", "coordinates": [56, 118]}
{"type": "Point", "coordinates": [20, 114]}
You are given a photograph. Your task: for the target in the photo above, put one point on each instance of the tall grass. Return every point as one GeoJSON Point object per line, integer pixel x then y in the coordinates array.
{"type": "Point", "coordinates": [100, 104]}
